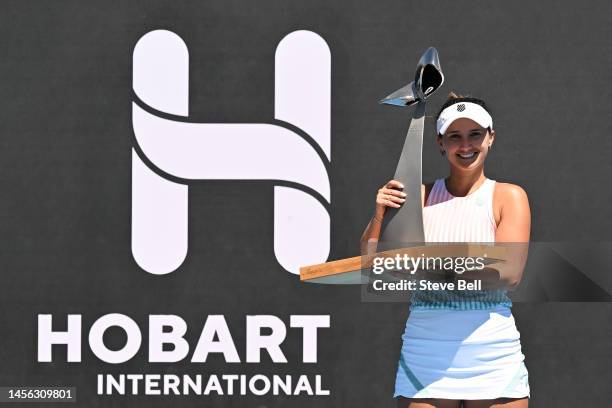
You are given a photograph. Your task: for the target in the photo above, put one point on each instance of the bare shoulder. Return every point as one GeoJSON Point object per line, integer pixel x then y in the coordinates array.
{"type": "Point", "coordinates": [510, 197]}
{"type": "Point", "coordinates": [509, 192]}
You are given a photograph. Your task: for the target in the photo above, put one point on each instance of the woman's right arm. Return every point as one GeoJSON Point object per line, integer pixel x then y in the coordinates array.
{"type": "Point", "coordinates": [389, 195]}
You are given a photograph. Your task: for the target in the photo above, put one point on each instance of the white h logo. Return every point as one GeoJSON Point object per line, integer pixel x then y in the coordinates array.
{"type": "Point", "coordinates": [258, 151]}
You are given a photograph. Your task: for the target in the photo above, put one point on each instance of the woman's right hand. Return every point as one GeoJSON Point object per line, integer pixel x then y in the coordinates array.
{"type": "Point", "coordinates": [389, 195]}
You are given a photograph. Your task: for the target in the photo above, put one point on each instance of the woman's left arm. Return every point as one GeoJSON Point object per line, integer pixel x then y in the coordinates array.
{"type": "Point", "coordinates": [513, 231]}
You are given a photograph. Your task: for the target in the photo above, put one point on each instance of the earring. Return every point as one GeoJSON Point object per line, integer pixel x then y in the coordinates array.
{"type": "Point", "coordinates": [442, 152]}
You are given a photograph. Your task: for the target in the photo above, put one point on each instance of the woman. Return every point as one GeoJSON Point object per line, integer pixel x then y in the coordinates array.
{"type": "Point", "coordinates": [463, 349]}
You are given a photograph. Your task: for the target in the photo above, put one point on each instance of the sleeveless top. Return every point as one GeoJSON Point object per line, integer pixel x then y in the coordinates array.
{"type": "Point", "coordinates": [447, 218]}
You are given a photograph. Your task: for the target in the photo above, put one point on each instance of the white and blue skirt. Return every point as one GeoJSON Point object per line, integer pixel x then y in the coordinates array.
{"type": "Point", "coordinates": [461, 355]}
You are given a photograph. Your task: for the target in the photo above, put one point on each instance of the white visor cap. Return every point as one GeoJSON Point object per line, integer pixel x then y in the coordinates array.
{"type": "Point", "coordinates": [468, 110]}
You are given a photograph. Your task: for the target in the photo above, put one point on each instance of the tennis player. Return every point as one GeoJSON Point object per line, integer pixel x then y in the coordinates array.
{"type": "Point", "coordinates": [463, 349]}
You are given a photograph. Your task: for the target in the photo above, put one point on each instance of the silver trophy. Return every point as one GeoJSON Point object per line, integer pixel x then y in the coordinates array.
{"type": "Point", "coordinates": [404, 226]}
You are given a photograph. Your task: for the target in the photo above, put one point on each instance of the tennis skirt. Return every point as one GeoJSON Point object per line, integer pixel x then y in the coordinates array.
{"type": "Point", "coordinates": [461, 355]}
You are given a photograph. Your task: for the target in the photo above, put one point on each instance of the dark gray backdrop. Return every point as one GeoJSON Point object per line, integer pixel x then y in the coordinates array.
{"type": "Point", "coordinates": [65, 130]}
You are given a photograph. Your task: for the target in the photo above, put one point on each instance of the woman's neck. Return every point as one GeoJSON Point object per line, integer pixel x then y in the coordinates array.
{"type": "Point", "coordinates": [462, 183]}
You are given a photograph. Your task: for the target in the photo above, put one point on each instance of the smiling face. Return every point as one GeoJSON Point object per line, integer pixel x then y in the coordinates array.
{"type": "Point", "coordinates": [466, 144]}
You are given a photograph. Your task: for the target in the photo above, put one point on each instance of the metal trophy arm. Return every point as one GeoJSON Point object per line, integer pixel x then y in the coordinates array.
{"type": "Point", "coordinates": [427, 79]}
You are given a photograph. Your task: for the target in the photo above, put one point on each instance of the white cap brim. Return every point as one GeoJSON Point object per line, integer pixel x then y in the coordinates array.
{"type": "Point", "coordinates": [467, 110]}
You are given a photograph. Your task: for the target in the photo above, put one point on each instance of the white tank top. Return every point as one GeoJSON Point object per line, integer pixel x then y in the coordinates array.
{"type": "Point", "coordinates": [447, 218]}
